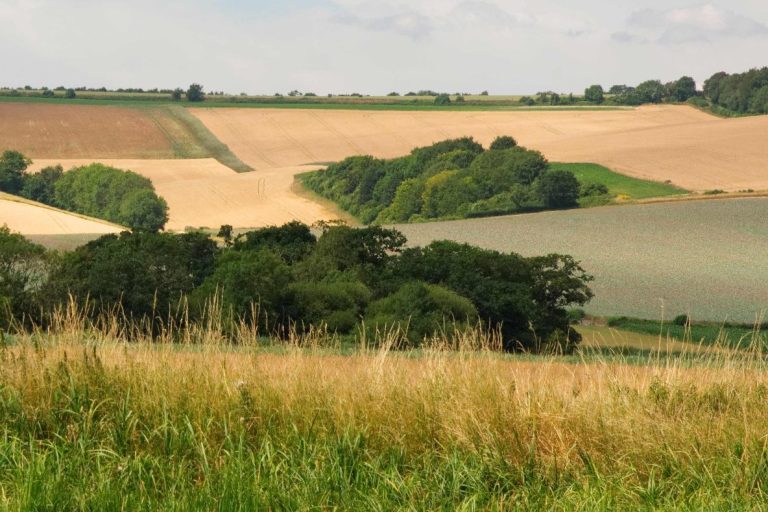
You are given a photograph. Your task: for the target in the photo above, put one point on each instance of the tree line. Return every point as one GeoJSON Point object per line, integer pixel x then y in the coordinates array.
{"type": "Point", "coordinates": [455, 178]}
{"type": "Point", "coordinates": [96, 190]}
{"type": "Point", "coordinates": [289, 277]}
{"type": "Point", "coordinates": [740, 93]}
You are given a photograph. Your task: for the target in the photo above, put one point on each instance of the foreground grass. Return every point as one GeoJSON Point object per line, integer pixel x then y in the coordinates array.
{"type": "Point", "coordinates": [619, 184]}
{"type": "Point", "coordinates": [91, 423]}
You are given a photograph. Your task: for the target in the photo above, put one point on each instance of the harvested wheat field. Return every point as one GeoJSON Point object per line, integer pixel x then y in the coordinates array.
{"type": "Point", "coordinates": [205, 193]}
{"type": "Point", "coordinates": [32, 218]}
{"type": "Point", "coordinates": [690, 148]}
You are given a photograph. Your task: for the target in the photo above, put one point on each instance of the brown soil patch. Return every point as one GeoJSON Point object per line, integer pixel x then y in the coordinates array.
{"type": "Point", "coordinates": [688, 147]}
{"type": "Point", "coordinates": [80, 131]}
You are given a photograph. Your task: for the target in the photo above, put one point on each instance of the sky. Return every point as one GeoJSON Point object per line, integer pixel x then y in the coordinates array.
{"type": "Point", "coordinates": [374, 47]}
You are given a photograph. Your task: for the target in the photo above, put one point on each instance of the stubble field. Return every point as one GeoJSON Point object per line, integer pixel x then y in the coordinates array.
{"type": "Point", "coordinates": [691, 149]}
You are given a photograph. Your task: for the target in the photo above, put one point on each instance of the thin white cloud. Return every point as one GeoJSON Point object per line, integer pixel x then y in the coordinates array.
{"type": "Point", "coordinates": [701, 23]}
{"type": "Point", "coordinates": [409, 23]}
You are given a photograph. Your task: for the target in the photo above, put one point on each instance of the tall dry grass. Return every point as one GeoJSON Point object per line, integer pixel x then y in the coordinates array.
{"type": "Point", "coordinates": [93, 421]}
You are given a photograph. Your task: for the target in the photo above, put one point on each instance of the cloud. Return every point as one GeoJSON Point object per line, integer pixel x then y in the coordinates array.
{"type": "Point", "coordinates": [701, 23]}
{"type": "Point", "coordinates": [407, 23]}
{"type": "Point", "coordinates": [477, 12]}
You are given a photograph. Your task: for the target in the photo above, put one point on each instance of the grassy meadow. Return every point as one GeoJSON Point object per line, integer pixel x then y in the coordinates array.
{"type": "Point", "coordinates": [95, 418]}
{"type": "Point", "coordinates": [620, 185]}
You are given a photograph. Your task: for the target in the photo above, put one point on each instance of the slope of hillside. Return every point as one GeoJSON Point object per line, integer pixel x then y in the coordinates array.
{"type": "Point", "coordinates": [690, 148]}
{"type": "Point", "coordinates": [205, 193]}
{"type": "Point", "coordinates": [30, 218]}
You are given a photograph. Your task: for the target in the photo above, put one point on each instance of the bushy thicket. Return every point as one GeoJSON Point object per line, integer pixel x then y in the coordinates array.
{"type": "Point", "coordinates": [123, 197]}
{"type": "Point", "coordinates": [650, 91]}
{"type": "Point", "coordinates": [450, 179]}
{"type": "Point", "coordinates": [282, 278]}
{"type": "Point", "coordinates": [743, 93]}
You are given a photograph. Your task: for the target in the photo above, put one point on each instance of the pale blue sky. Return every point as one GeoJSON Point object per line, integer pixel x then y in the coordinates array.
{"type": "Point", "coordinates": [344, 46]}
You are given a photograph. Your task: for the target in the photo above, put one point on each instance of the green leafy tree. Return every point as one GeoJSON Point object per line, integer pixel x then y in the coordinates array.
{"type": "Point", "coordinates": [421, 310]}
{"type": "Point", "coordinates": [12, 167]}
{"type": "Point", "coordinates": [683, 89]}
{"type": "Point", "coordinates": [143, 210]}
{"type": "Point", "coordinates": [442, 100]}
{"type": "Point", "coordinates": [146, 274]}
{"type": "Point", "coordinates": [503, 142]}
{"type": "Point", "coordinates": [292, 241]}
{"type": "Point", "coordinates": [252, 285]}
{"type": "Point", "coordinates": [406, 204]}
{"type": "Point", "coordinates": [338, 305]}
{"type": "Point", "coordinates": [594, 94]}
{"type": "Point", "coordinates": [650, 91]}
{"type": "Point", "coordinates": [445, 193]}
{"type": "Point", "coordinates": [41, 186]}
{"type": "Point", "coordinates": [70, 94]}
{"type": "Point", "coordinates": [558, 189]}
{"type": "Point", "coordinates": [119, 196]}
{"type": "Point", "coordinates": [525, 298]}
{"type": "Point", "coordinates": [23, 272]}
{"type": "Point", "coordinates": [195, 93]}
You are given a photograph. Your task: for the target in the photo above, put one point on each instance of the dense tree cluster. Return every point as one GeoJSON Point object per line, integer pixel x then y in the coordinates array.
{"type": "Point", "coordinates": [744, 93]}
{"type": "Point", "coordinates": [650, 91]}
{"type": "Point", "coordinates": [282, 278]}
{"type": "Point", "coordinates": [450, 179]}
{"type": "Point", "coordinates": [123, 197]}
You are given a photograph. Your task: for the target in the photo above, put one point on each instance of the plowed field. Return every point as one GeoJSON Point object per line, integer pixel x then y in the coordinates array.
{"type": "Point", "coordinates": [708, 259]}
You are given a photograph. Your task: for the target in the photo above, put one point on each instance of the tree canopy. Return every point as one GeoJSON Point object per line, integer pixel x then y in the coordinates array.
{"type": "Point", "coordinates": [454, 178]}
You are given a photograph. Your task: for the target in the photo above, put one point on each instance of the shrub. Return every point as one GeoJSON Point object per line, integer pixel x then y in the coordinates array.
{"type": "Point", "coordinates": [195, 93]}
{"type": "Point", "coordinates": [558, 189]}
{"type": "Point", "coordinates": [420, 310]}
{"type": "Point", "coordinates": [442, 100]}
{"type": "Point", "coordinates": [12, 167]}
{"type": "Point", "coordinates": [41, 186]}
{"type": "Point", "coordinates": [70, 94]}
{"type": "Point", "coordinates": [119, 196]}
{"type": "Point", "coordinates": [503, 142]}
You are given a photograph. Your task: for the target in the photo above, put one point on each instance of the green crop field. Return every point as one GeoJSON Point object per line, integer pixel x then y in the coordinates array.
{"type": "Point", "coordinates": [335, 103]}
{"type": "Point", "coordinates": [708, 259]}
{"type": "Point", "coordinates": [618, 184]}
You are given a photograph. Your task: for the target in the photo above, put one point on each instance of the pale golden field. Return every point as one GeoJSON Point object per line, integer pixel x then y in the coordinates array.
{"type": "Point", "coordinates": [205, 193]}
{"type": "Point", "coordinates": [690, 148]}
{"type": "Point", "coordinates": [33, 218]}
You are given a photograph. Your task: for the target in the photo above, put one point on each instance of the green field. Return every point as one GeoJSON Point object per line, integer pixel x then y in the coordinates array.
{"type": "Point", "coordinates": [618, 184]}
{"type": "Point", "coordinates": [737, 335]}
{"type": "Point", "coordinates": [336, 103]}
{"type": "Point", "coordinates": [649, 260]}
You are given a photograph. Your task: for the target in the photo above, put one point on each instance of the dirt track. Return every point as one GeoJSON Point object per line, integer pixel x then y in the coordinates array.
{"type": "Point", "coordinates": [688, 147]}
